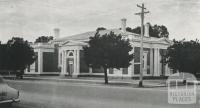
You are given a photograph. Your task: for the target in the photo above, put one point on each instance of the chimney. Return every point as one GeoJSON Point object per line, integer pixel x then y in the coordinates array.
{"type": "Point", "coordinates": [56, 33]}
{"type": "Point", "coordinates": [123, 21]}
{"type": "Point", "coordinates": [146, 30]}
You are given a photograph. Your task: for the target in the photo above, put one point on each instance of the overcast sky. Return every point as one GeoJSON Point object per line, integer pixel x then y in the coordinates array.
{"type": "Point", "coordinates": [33, 18]}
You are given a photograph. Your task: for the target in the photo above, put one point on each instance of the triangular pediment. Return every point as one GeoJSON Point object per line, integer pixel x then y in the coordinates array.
{"type": "Point", "coordinates": [152, 40]}
{"type": "Point", "coordinates": [73, 43]}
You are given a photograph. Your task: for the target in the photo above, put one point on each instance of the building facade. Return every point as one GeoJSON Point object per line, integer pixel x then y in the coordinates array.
{"type": "Point", "coordinates": [64, 56]}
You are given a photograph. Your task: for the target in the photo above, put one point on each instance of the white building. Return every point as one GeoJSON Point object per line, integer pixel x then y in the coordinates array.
{"type": "Point", "coordinates": [64, 56]}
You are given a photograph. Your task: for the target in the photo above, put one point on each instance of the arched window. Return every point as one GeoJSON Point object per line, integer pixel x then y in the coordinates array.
{"type": "Point", "coordinates": [70, 54]}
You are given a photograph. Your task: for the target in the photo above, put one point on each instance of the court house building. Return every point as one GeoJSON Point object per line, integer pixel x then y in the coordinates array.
{"type": "Point", "coordinates": [64, 55]}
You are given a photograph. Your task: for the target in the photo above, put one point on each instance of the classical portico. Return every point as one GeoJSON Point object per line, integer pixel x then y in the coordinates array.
{"type": "Point", "coordinates": [69, 58]}
{"type": "Point", "coordinates": [152, 55]}
{"type": "Point", "coordinates": [46, 61]}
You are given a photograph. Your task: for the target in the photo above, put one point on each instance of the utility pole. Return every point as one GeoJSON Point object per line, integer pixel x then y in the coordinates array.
{"type": "Point", "coordinates": [141, 42]}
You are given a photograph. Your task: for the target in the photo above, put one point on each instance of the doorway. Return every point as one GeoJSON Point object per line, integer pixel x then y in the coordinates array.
{"type": "Point", "coordinates": [70, 63]}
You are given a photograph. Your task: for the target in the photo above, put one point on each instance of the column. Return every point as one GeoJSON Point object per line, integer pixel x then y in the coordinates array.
{"type": "Point", "coordinates": [74, 74]}
{"type": "Point", "coordinates": [40, 61]}
{"type": "Point", "coordinates": [132, 64]}
{"type": "Point", "coordinates": [151, 61]}
{"type": "Point", "coordinates": [155, 62]}
{"type": "Point", "coordinates": [78, 62]}
{"type": "Point", "coordinates": [159, 64]}
{"type": "Point", "coordinates": [65, 62]}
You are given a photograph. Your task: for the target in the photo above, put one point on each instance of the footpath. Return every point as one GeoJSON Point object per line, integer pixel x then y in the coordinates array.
{"type": "Point", "coordinates": [96, 80]}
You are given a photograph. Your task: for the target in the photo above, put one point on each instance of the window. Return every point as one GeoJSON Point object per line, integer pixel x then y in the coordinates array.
{"type": "Point", "coordinates": [70, 53]}
{"type": "Point", "coordinates": [50, 62]}
{"type": "Point", "coordinates": [83, 66]}
{"type": "Point", "coordinates": [136, 68]}
{"type": "Point", "coordinates": [111, 71]}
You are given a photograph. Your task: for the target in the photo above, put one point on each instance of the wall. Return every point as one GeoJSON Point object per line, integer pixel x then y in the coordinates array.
{"type": "Point", "coordinates": [83, 66]}
{"type": "Point", "coordinates": [50, 62]}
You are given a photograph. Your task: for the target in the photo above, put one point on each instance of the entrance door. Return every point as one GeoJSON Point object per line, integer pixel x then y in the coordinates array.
{"type": "Point", "coordinates": [70, 66]}
{"type": "Point", "coordinates": [70, 63]}
{"type": "Point", "coordinates": [145, 63]}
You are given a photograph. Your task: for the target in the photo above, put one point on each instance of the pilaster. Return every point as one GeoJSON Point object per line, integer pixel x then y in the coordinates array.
{"type": "Point", "coordinates": [63, 64]}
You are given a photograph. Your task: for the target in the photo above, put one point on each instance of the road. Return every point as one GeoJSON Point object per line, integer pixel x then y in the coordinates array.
{"type": "Point", "coordinates": [45, 94]}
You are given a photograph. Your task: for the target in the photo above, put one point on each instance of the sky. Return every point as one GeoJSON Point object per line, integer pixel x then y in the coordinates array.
{"type": "Point", "coordinates": [33, 18]}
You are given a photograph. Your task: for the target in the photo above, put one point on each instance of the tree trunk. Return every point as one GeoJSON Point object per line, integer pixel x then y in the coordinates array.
{"type": "Point", "coordinates": [105, 75]}
{"type": "Point", "coordinates": [184, 81]}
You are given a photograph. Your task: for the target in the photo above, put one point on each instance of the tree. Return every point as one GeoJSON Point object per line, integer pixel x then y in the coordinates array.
{"type": "Point", "coordinates": [136, 30]}
{"type": "Point", "coordinates": [184, 56]}
{"type": "Point", "coordinates": [108, 51]}
{"type": "Point", "coordinates": [21, 55]}
{"type": "Point", "coordinates": [4, 58]}
{"type": "Point", "coordinates": [44, 39]}
{"type": "Point", "coordinates": [100, 28]}
{"type": "Point", "coordinates": [157, 31]}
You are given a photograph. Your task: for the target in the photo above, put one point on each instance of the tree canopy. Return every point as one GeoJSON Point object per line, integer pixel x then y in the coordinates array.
{"type": "Point", "coordinates": [100, 28]}
{"type": "Point", "coordinates": [44, 39]}
{"type": "Point", "coordinates": [17, 54]}
{"type": "Point", "coordinates": [108, 51]}
{"type": "Point", "coordinates": [184, 56]}
{"type": "Point", "coordinates": [4, 58]}
{"type": "Point", "coordinates": [157, 31]}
